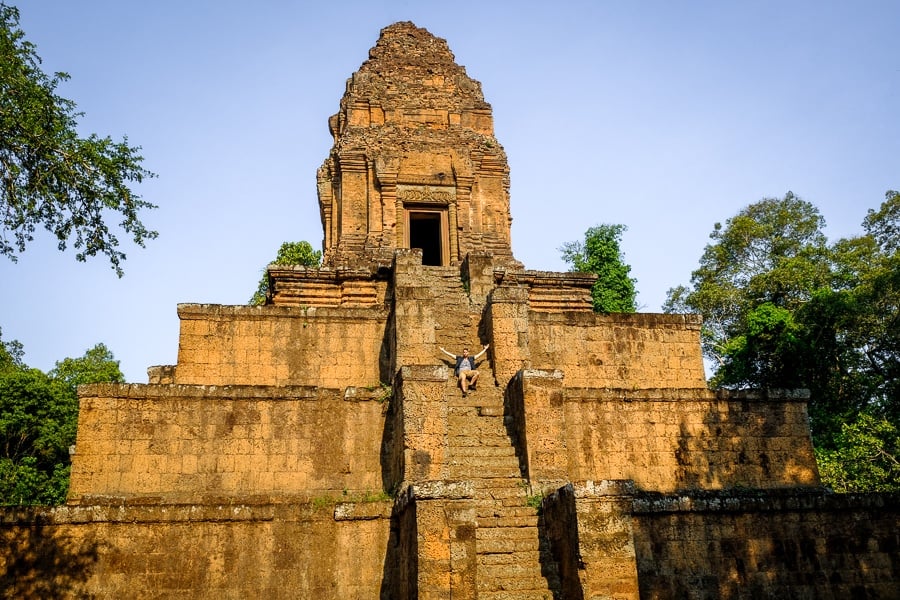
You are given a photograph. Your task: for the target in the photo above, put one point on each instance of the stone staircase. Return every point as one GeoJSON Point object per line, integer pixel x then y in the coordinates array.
{"type": "Point", "coordinates": [512, 558]}
{"type": "Point", "coordinates": [513, 561]}
{"type": "Point", "coordinates": [457, 316]}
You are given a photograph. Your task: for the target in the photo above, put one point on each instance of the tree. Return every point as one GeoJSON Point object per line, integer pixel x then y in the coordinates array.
{"type": "Point", "coordinates": [782, 308]}
{"type": "Point", "coordinates": [97, 365]}
{"type": "Point", "coordinates": [291, 253]}
{"type": "Point", "coordinates": [11, 355]}
{"type": "Point", "coordinates": [772, 251]}
{"type": "Point", "coordinates": [866, 459]}
{"type": "Point", "coordinates": [38, 422]}
{"type": "Point", "coordinates": [49, 175]}
{"type": "Point", "coordinates": [614, 290]}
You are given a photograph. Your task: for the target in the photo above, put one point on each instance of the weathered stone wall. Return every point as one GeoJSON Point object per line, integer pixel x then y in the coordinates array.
{"type": "Point", "coordinates": [195, 551]}
{"type": "Point", "coordinates": [618, 350]}
{"type": "Point", "coordinates": [769, 546]}
{"type": "Point", "coordinates": [209, 444]}
{"type": "Point", "coordinates": [668, 440]}
{"type": "Point", "coordinates": [590, 532]}
{"type": "Point", "coordinates": [282, 345]}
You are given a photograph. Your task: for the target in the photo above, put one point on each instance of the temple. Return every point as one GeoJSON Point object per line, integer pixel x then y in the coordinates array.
{"type": "Point", "coordinates": [319, 446]}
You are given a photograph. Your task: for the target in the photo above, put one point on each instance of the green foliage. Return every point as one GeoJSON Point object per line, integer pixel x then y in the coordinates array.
{"type": "Point", "coordinates": [866, 459]}
{"type": "Point", "coordinates": [38, 417]}
{"type": "Point", "coordinates": [763, 354]}
{"type": "Point", "coordinates": [534, 501]}
{"type": "Point", "coordinates": [38, 422]}
{"type": "Point", "coordinates": [291, 253]}
{"type": "Point", "coordinates": [783, 309]}
{"type": "Point", "coordinates": [772, 252]}
{"type": "Point", "coordinates": [49, 175]}
{"type": "Point", "coordinates": [11, 355]}
{"type": "Point", "coordinates": [97, 365]}
{"type": "Point", "coordinates": [614, 290]}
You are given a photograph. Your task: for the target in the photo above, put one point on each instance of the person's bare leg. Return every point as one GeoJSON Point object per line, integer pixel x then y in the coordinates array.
{"type": "Point", "coordinates": [474, 375]}
{"type": "Point", "coordinates": [463, 383]}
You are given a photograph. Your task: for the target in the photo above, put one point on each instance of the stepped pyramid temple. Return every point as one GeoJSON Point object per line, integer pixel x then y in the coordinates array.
{"type": "Point", "coordinates": [319, 446]}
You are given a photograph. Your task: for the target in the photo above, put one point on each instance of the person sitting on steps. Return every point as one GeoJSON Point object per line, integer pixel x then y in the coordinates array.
{"type": "Point", "coordinates": [465, 368]}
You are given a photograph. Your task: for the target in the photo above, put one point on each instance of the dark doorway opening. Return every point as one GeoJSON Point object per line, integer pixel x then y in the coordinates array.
{"type": "Point", "coordinates": [425, 233]}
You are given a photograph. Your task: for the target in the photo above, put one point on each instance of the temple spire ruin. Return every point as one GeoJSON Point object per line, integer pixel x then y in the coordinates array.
{"type": "Point", "coordinates": [415, 163]}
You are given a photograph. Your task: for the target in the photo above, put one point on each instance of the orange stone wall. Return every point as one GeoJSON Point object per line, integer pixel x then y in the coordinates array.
{"type": "Point", "coordinates": [196, 551]}
{"type": "Point", "coordinates": [209, 444]}
{"type": "Point", "coordinates": [281, 345]}
{"type": "Point", "coordinates": [667, 440]}
{"type": "Point", "coordinates": [637, 350]}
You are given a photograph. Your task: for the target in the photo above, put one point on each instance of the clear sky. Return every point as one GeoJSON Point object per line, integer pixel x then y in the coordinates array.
{"type": "Point", "coordinates": [663, 116]}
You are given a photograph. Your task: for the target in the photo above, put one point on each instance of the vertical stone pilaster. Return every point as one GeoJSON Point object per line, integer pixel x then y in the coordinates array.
{"type": "Point", "coordinates": [425, 423]}
{"type": "Point", "coordinates": [354, 205]}
{"type": "Point", "coordinates": [463, 211]}
{"type": "Point", "coordinates": [606, 539]}
{"type": "Point", "coordinates": [479, 271]}
{"type": "Point", "coordinates": [414, 320]}
{"type": "Point", "coordinates": [592, 539]}
{"type": "Point", "coordinates": [453, 233]}
{"type": "Point", "coordinates": [445, 540]}
{"type": "Point", "coordinates": [508, 318]}
{"type": "Point", "coordinates": [536, 399]}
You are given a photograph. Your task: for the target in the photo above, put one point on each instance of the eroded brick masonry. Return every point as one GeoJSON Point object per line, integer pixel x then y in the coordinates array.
{"type": "Point", "coordinates": [319, 447]}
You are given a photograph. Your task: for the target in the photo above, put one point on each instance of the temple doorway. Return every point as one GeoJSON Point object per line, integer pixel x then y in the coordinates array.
{"type": "Point", "coordinates": [427, 230]}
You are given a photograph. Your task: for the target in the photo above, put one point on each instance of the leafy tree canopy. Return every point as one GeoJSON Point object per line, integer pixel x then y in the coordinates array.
{"type": "Point", "coordinates": [599, 253]}
{"type": "Point", "coordinates": [783, 308]}
{"type": "Point", "coordinates": [772, 251]}
{"type": "Point", "coordinates": [49, 175]}
{"type": "Point", "coordinates": [291, 253]}
{"type": "Point", "coordinates": [866, 459]}
{"type": "Point", "coordinates": [97, 365]}
{"type": "Point", "coordinates": [11, 355]}
{"type": "Point", "coordinates": [38, 422]}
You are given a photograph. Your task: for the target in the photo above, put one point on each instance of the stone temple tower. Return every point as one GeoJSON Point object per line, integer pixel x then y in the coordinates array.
{"type": "Point", "coordinates": [319, 446]}
{"type": "Point", "coordinates": [415, 163]}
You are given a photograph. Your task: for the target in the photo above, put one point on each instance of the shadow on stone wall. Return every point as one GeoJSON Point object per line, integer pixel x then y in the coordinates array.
{"type": "Point", "coordinates": [398, 581]}
{"type": "Point", "coordinates": [760, 440]}
{"type": "Point", "coordinates": [41, 565]}
{"type": "Point", "coordinates": [559, 546]}
{"type": "Point", "coordinates": [772, 544]}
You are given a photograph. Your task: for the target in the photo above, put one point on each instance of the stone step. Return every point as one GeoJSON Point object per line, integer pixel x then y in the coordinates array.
{"type": "Point", "coordinates": [526, 559]}
{"type": "Point", "coordinates": [470, 441]}
{"type": "Point", "coordinates": [465, 471]}
{"type": "Point", "coordinates": [506, 533]}
{"type": "Point", "coordinates": [482, 451]}
{"type": "Point", "coordinates": [506, 545]}
{"type": "Point", "coordinates": [474, 409]}
{"type": "Point", "coordinates": [522, 564]}
{"type": "Point", "coordinates": [476, 456]}
{"type": "Point", "coordinates": [483, 511]}
{"type": "Point", "coordinates": [485, 466]}
{"type": "Point", "coordinates": [513, 584]}
{"type": "Point", "coordinates": [483, 421]}
{"type": "Point", "coordinates": [510, 521]}
{"type": "Point", "coordinates": [515, 595]}
{"type": "Point", "coordinates": [481, 428]}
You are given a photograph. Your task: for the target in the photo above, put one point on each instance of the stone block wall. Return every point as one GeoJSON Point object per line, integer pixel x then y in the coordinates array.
{"type": "Point", "coordinates": [667, 440]}
{"type": "Point", "coordinates": [209, 444]}
{"type": "Point", "coordinates": [195, 551]}
{"type": "Point", "coordinates": [768, 546]}
{"type": "Point", "coordinates": [590, 532]}
{"type": "Point", "coordinates": [282, 345]}
{"type": "Point", "coordinates": [663, 440]}
{"type": "Point", "coordinates": [618, 350]}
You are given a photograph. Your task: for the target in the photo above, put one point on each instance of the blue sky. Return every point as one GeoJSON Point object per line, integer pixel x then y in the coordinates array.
{"type": "Point", "coordinates": [662, 116]}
